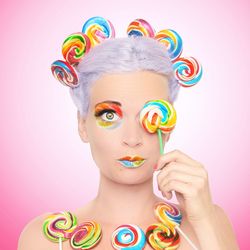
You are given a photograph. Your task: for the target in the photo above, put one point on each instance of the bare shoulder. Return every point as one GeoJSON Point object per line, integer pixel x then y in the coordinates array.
{"type": "Point", "coordinates": [225, 222]}
{"type": "Point", "coordinates": [32, 236]}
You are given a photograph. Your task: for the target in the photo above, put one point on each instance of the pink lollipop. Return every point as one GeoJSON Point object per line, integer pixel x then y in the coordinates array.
{"type": "Point", "coordinates": [65, 73]}
{"type": "Point", "coordinates": [140, 27]}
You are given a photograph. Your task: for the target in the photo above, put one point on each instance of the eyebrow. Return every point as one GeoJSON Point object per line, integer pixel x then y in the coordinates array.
{"type": "Point", "coordinates": [109, 102]}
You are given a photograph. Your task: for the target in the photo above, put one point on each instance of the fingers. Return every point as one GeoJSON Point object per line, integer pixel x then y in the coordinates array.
{"type": "Point", "coordinates": [176, 156]}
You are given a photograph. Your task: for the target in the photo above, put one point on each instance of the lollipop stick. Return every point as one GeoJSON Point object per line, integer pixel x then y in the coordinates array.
{"type": "Point", "coordinates": [160, 141]}
{"type": "Point", "coordinates": [186, 237]}
{"type": "Point", "coordinates": [60, 243]}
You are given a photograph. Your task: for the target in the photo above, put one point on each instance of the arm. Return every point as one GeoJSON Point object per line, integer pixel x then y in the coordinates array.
{"type": "Point", "coordinates": [189, 179]}
{"type": "Point", "coordinates": [215, 232]}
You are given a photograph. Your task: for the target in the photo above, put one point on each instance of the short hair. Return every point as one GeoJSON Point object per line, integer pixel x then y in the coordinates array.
{"type": "Point", "coordinates": [120, 55]}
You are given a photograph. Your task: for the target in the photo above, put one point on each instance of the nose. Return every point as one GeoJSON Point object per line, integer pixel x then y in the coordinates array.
{"type": "Point", "coordinates": [132, 133]}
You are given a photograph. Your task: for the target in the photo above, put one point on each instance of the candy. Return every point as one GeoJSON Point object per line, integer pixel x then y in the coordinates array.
{"type": "Point", "coordinates": [59, 225]}
{"type": "Point", "coordinates": [187, 71]}
{"type": "Point", "coordinates": [172, 40]}
{"type": "Point", "coordinates": [158, 114]}
{"type": "Point", "coordinates": [75, 47]}
{"type": "Point", "coordinates": [65, 73]}
{"type": "Point", "coordinates": [159, 236]}
{"type": "Point", "coordinates": [140, 27]}
{"type": "Point", "coordinates": [130, 237]}
{"type": "Point", "coordinates": [86, 235]}
{"type": "Point", "coordinates": [98, 29]}
{"type": "Point", "coordinates": [168, 214]}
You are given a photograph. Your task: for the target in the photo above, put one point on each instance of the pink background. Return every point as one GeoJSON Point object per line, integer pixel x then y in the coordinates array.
{"type": "Point", "coordinates": [45, 166]}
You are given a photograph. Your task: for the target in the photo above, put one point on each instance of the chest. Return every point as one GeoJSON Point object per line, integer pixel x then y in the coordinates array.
{"type": "Point", "coordinates": [106, 239]}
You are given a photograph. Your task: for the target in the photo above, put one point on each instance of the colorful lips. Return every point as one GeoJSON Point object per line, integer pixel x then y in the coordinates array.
{"type": "Point", "coordinates": [131, 162]}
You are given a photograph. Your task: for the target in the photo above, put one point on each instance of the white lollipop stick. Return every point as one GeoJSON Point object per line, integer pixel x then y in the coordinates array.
{"type": "Point", "coordinates": [60, 243]}
{"type": "Point", "coordinates": [186, 237]}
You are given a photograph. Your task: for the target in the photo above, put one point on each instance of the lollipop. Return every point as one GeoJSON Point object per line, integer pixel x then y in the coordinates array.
{"type": "Point", "coordinates": [171, 217]}
{"type": "Point", "coordinates": [168, 214]}
{"type": "Point", "coordinates": [86, 235]}
{"type": "Point", "coordinates": [159, 236]}
{"type": "Point", "coordinates": [59, 226]}
{"type": "Point", "coordinates": [75, 47]}
{"type": "Point", "coordinates": [65, 73]}
{"type": "Point", "coordinates": [158, 115]}
{"type": "Point", "coordinates": [187, 71]}
{"type": "Point", "coordinates": [172, 40]}
{"type": "Point", "coordinates": [130, 237]}
{"type": "Point", "coordinates": [140, 27]}
{"type": "Point", "coordinates": [98, 29]}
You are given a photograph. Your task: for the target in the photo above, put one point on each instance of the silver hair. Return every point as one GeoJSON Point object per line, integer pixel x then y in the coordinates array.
{"type": "Point", "coordinates": [118, 55]}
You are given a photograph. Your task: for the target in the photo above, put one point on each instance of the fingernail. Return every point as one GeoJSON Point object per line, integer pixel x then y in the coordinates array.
{"type": "Point", "coordinates": [155, 166]}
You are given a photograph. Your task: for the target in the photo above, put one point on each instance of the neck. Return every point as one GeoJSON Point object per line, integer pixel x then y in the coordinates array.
{"type": "Point", "coordinates": [124, 203]}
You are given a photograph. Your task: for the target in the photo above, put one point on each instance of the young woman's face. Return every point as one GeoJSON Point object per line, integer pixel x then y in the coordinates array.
{"type": "Point", "coordinates": [112, 126]}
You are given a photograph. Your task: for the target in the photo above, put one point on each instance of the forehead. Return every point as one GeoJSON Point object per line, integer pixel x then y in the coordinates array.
{"type": "Point", "coordinates": [132, 90]}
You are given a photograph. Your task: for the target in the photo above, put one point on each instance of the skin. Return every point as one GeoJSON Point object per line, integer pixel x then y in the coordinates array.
{"type": "Point", "coordinates": [126, 195]}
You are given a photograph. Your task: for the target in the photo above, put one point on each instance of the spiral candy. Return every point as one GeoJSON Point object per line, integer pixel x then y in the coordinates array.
{"type": "Point", "coordinates": [59, 225]}
{"type": "Point", "coordinates": [172, 40]}
{"type": "Point", "coordinates": [64, 73]}
{"type": "Point", "coordinates": [187, 71]}
{"type": "Point", "coordinates": [130, 237]}
{"type": "Point", "coordinates": [98, 29]}
{"type": "Point", "coordinates": [140, 27]}
{"type": "Point", "coordinates": [159, 236]}
{"type": "Point", "coordinates": [86, 235]}
{"type": "Point", "coordinates": [75, 47]}
{"type": "Point", "coordinates": [158, 114]}
{"type": "Point", "coordinates": [168, 214]}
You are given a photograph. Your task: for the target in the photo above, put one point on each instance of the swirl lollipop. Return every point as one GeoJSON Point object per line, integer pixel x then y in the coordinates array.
{"type": "Point", "coordinates": [172, 40]}
{"type": "Point", "coordinates": [140, 27]}
{"type": "Point", "coordinates": [129, 237]}
{"type": "Point", "coordinates": [86, 235]}
{"type": "Point", "coordinates": [65, 73]}
{"type": "Point", "coordinates": [98, 29]}
{"type": "Point", "coordinates": [75, 47]}
{"type": "Point", "coordinates": [171, 217]}
{"type": "Point", "coordinates": [187, 71]}
{"type": "Point", "coordinates": [158, 115]}
{"type": "Point", "coordinates": [168, 214]}
{"type": "Point", "coordinates": [159, 236]}
{"type": "Point", "coordinates": [59, 226]}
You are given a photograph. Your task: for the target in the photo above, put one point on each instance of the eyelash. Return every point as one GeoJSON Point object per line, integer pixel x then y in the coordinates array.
{"type": "Point", "coordinates": [100, 113]}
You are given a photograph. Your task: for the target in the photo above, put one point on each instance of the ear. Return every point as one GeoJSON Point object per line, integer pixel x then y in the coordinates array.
{"type": "Point", "coordinates": [82, 128]}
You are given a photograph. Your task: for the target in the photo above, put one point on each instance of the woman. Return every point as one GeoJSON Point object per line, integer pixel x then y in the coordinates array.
{"type": "Point", "coordinates": [116, 79]}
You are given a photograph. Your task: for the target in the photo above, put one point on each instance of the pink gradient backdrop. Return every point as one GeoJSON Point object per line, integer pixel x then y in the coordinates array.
{"type": "Point", "coordinates": [44, 165]}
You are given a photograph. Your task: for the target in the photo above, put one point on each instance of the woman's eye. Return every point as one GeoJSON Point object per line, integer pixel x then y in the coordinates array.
{"type": "Point", "coordinates": [109, 116]}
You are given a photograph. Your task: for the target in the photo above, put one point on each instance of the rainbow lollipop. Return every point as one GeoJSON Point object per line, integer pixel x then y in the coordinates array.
{"type": "Point", "coordinates": [159, 237]}
{"type": "Point", "coordinates": [171, 217]}
{"type": "Point", "coordinates": [130, 237]}
{"type": "Point", "coordinates": [172, 40]}
{"type": "Point", "coordinates": [86, 235]}
{"type": "Point", "coordinates": [140, 27]}
{"type": "Point", "coordinates": [98, 29]}
{"type": "Point", "coordinates": [65, 73]}
{"type": "Point", "coordinates": [58, 227]}
{"type": "Point", "coordinates": [187, 71]}
{"type": "Point", "coordinates": [75, 47]}
{"type": "Point", "coordinates": [158, 116]}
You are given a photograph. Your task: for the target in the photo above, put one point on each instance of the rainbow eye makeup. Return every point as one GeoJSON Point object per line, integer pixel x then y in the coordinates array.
{"type": "Point", "coordinates": [108, 114]}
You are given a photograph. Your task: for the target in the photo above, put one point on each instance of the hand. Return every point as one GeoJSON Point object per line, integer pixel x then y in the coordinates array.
{"type": "Point", "coordinates": [189, 179]}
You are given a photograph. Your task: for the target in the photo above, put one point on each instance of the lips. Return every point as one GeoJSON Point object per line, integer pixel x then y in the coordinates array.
{"type": "Point", "coordinates": [131, 162]}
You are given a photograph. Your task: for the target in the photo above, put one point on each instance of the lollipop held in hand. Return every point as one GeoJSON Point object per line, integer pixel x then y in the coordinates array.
{"type": "Point", "coordinates": [158, 116]}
